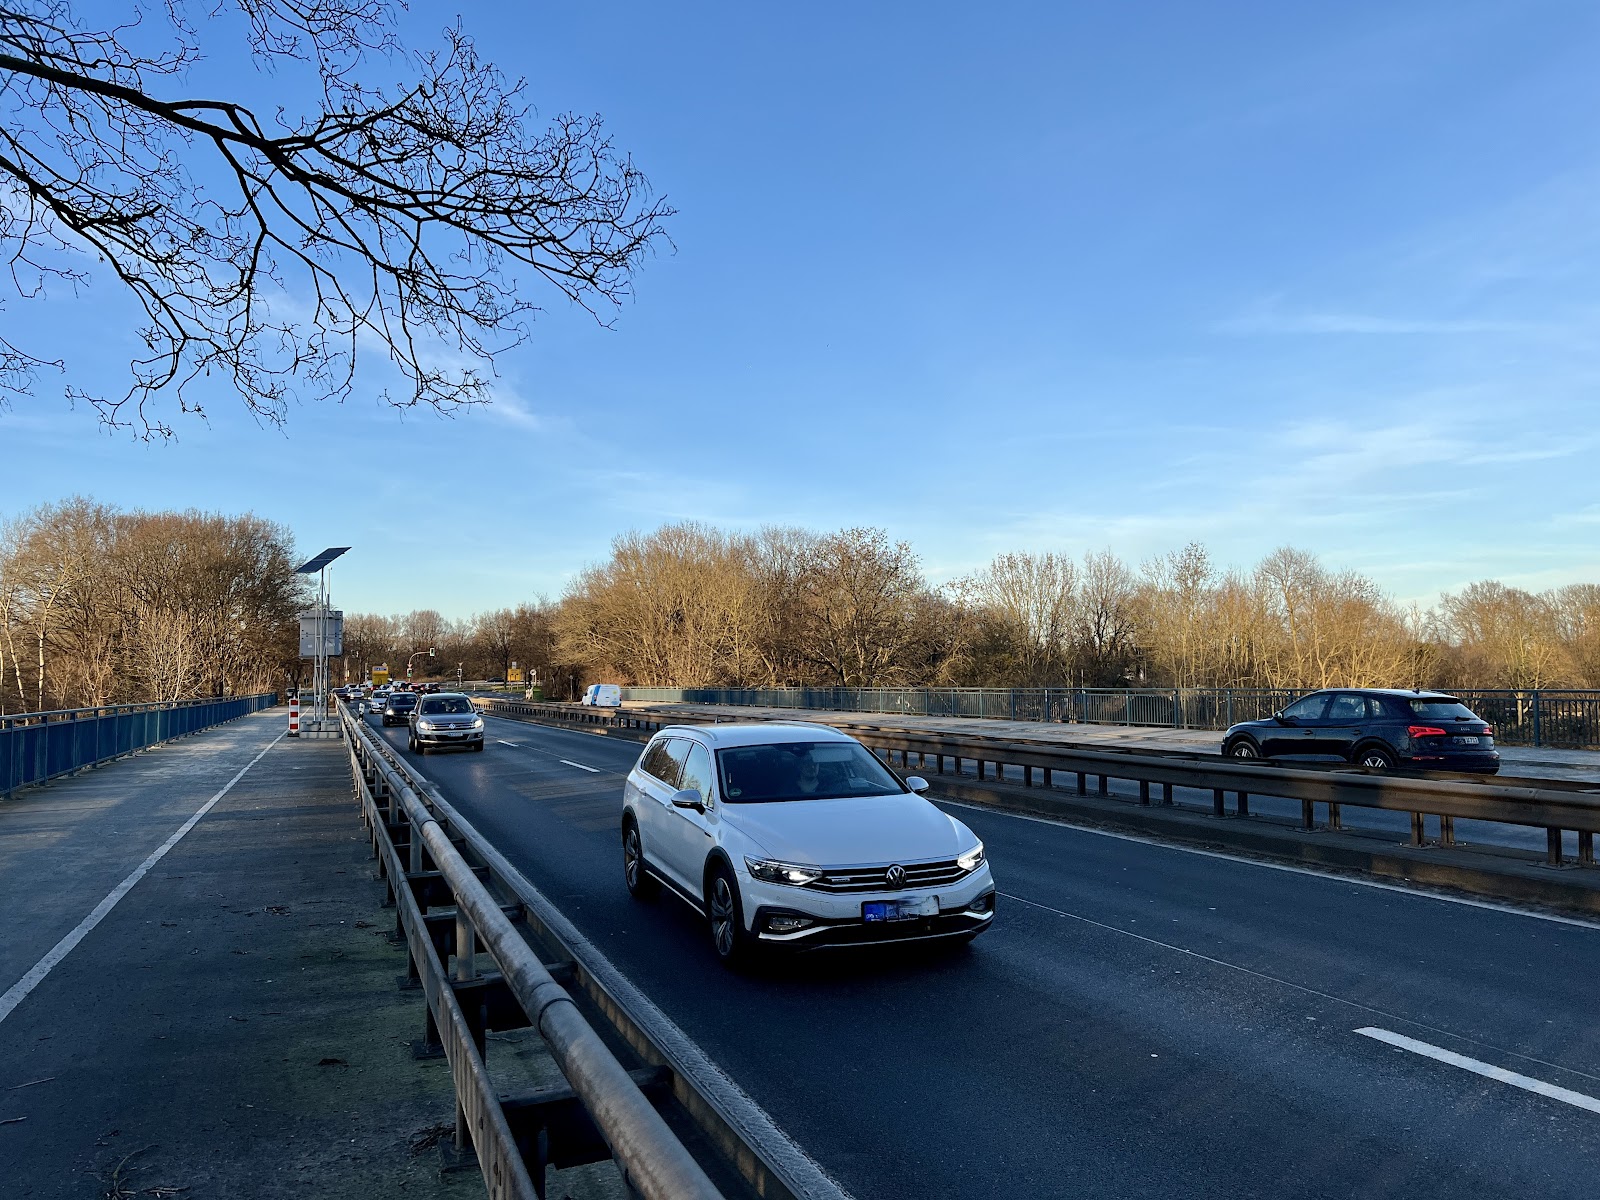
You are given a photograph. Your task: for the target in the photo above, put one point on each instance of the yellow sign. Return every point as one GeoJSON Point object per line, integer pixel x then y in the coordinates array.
{"type": "Point", "coordinates": [514, 675]}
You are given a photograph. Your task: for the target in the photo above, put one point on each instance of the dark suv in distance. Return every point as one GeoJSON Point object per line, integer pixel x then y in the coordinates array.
{"type": "Point", "coordinates": [397, 709]}
{"type": "Point", "coordinates": [1372, 727]}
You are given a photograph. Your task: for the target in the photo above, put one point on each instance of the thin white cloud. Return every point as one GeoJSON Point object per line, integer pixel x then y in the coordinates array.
{"type": "Point", "coordinates": [1350, 323]}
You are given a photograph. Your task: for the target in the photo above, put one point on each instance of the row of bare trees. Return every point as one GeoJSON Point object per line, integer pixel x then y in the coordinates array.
{"type": "Point", "coordinates": [689, 605]}
{"type": "Point", "coordinates": [484, 646]}
{"type": "Point", "coordinates": [100, 606]}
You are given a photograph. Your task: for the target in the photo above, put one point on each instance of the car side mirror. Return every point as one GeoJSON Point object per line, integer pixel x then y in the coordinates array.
{"type": "Point", "coordinates": [917, 784]}
{"type": "Point", "coordinates": [688, 798]}
{"type": "Point", "coordinates": [1282, 720]}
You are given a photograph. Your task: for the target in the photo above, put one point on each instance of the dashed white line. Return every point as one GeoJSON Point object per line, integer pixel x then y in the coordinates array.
{"type": "Point", "coordinates": [503, 742]}
{"type": "Point", "coordinates": [580, 766]}
{"type": "Point", "coordinates": [1487, 1070]}
{"type": "Point", "coordinates": [1289, 983]}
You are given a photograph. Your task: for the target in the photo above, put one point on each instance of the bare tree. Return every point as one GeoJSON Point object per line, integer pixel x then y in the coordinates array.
{"type": "Point", "coordinates": [398, 212]}
{"type": "Point", "coordinates": [1033, 600]}
{"type": "Point", "coordinates": [1107, 620]}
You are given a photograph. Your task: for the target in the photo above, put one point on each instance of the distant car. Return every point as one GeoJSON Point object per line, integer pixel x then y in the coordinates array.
{"type": "Point", "coordinates": [1382, 728]}
{"type": "Point", "coordinates": [397, 709]}
{"type": "Point", "coordinates": [445, 719]}
{"type": "Point", "coordinates": [796, 836]}
{"type": "Point", "coordinates": [602, 695]}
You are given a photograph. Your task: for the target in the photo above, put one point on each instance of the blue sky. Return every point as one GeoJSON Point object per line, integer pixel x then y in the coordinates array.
{"type": "Point", "coordinates": [994, 277]}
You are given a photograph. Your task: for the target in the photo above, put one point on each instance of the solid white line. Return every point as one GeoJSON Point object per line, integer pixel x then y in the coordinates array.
{"type": "Point", "coordinates": [503, 742]}
{"type": "Point", "coordinates": [1487, 1070]}
{"type": "Point", "coordinates": [18, 991]}
{"type": "Point", "coordinates": [580, 766]}
{"type": "Point", "coordinates": [1329, 876]}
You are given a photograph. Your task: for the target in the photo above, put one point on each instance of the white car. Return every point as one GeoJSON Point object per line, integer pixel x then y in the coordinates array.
{"type": "Point", "coordinates": [796, 836]}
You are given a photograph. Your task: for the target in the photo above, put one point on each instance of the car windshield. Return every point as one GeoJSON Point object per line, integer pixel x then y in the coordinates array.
{"type": "Point", "coordinates": [1441, 708]}
{"type": "Point", "coordinates": [402, 700]}
{"type": "Point", "coordinates": [802, 771]}
{"type": "Point", "coordinates": [446, 704]}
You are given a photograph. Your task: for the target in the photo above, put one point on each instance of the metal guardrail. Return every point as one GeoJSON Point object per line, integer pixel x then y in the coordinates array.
{"type": "Point", "coordinates": [1552, 805]}
{"type": "Point", "coordinates": [1545, 717]}
{"type": "Point", "coordinates": [35, 747]}
{"type": "Point", "coordinates": [445, 908]}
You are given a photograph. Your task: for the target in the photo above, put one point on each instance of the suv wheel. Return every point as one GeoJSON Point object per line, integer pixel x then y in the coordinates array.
{"type": "Point", "coordinates": [1376, 757]}
{"type": "Point", "coordinates": [1243, 748]}
{"type": "Point", "coordinates": [728, 935]}
{"type": "Point", "coordinates": [641, 884]}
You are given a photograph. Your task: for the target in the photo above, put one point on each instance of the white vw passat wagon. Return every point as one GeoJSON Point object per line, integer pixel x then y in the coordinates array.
{"type": "Point", "coordinates": [796, 836]}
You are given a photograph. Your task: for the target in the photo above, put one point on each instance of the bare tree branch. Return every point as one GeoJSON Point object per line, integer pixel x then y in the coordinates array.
{"type": "Point", "coordinates": [396, 220]}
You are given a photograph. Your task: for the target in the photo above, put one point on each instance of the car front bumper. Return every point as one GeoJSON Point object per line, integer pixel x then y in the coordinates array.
{"type": "Point", "coordinates": [448, 737]}
{"type": "Point", "coordinates": [964, 907]}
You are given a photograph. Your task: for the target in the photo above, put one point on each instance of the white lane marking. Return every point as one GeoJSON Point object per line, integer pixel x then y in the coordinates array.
{"type": "Point", "coordinates": [1299, 987]}
{"type": "Point", "coordinates": [1329, 876]}
{"type": "Point", "coordinates": [1487, 1070]}
{"type": "Point", "coordinates": [18, 992]}
{"type": "Point", "coordinates": [580, 766]}
{"type": "Point", "coordinates": [503, 742]}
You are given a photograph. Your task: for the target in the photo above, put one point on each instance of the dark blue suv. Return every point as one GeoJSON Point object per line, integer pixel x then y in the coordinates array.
{"type": "Point", "coordinates": [1372, 727]}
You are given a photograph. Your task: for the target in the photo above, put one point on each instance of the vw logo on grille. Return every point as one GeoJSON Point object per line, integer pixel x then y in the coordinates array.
{"type": "Point", "coordinates": [895, 876]}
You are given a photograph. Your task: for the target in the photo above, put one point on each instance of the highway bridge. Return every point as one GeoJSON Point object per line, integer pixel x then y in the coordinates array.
{"type": "Point", "coordinates": [1146, 1018]}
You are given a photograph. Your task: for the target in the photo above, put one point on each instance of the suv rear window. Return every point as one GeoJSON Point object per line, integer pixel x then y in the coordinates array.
{"type": "Point", "coordinates": [1441, 708]}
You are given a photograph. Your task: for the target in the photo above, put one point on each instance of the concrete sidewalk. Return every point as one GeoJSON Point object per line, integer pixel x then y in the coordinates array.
{"type": "Point", "coordinates": [232, 1027]}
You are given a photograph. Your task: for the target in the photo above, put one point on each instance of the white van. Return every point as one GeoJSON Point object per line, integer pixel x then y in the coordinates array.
{"type": "Point", "coordinates": [602, 695]}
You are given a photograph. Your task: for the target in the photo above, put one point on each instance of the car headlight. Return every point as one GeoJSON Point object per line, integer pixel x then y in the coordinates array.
{"type": "Point", "coordinates": [477, 722]}
{"type": "Point", "coordinates": [793, 874]}
{"type": "Point", "coordinates": [428, 725]}
{"type": "Point", "coordinates": [972, 859]}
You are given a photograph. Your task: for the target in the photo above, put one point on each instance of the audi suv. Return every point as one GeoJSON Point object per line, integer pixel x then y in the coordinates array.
{"type": "Point", "coordinates": [797, 837]}
{"type": "Point", "coordinates": [1382, 728]}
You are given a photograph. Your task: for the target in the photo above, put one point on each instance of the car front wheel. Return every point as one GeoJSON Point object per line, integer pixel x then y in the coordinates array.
{"type": "Point", "coordinates": [728, 935]}
{"type": "Point", "coordinates": [1243, 748]}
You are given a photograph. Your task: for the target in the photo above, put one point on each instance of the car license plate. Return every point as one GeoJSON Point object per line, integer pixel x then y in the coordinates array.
{"type": "Point", "coordinates": [1465, 741]}
{"type": "Point", "coordinates": [873, 911]}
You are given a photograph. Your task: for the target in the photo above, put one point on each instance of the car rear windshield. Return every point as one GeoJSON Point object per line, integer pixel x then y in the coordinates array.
{"type": "Point", "coordinates": [447, 704]}
{"type": "Point", "coordinates": [1441, 708]}
{"type": "Point", "coordinates": [802, 771]}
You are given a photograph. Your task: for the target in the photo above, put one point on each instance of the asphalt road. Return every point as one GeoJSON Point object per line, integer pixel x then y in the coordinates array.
{"type": "Point", "coordinates": [1142, 1020]}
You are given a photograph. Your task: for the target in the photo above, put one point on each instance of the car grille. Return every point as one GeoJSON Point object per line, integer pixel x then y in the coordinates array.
{"type": "Point", "coordinates": [875, 879]}
{"type": "Point", "coordinates": [452, 724]}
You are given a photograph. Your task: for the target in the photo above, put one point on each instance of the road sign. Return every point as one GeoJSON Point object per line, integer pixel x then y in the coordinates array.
{"type": "Point", "coordinates": [332, 632]}
{"type": "Point", "coordinates": [514, 675]}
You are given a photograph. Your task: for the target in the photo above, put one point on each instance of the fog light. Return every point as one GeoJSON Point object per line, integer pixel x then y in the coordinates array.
{"type": "Point", "coordinates": [982, 904]}
{"type": "Point", "coordinates": [785, 923]}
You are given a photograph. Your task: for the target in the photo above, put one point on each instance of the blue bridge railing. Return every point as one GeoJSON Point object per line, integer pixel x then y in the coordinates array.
{"type": "Point", "coordinates": [35, 747]}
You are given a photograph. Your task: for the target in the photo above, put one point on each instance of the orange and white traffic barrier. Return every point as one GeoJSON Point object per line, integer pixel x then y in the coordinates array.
{"type": "Point", "coordinates": [294, 716]}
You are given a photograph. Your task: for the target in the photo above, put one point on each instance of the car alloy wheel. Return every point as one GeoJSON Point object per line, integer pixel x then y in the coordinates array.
{"type": "Point", "coordinates": [727, 930]}
{"type": "Point", "coordinates": [1242, 749]}
{"type": "Point", "coordinates": [1376, 758]}
{"type": "Point", "coordinates": [641, 885]}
